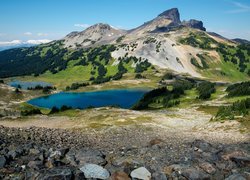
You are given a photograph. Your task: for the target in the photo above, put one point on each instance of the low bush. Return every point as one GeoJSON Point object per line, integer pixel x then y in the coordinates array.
{"type": "Point", "coordinates": [239, 89]}
{"type": "Point", "coordinates": [206, 89]}
{"type": "Point", "coordinates": [239, 108]}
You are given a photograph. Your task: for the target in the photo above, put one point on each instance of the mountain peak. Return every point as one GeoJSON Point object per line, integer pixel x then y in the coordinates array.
{"type": "Point", "coordinates": [172, 14]}
{"type": "Point", "coordinates": [101, 26]}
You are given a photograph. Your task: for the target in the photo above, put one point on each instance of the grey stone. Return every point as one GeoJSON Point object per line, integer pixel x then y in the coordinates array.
{"type": "Point", "coordinates": [236, 177]}
{"type": "Point", "coordinates": [94, 171]}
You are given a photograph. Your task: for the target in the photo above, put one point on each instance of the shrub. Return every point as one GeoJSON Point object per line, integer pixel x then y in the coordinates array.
{"type": "Point", "coordinates": [205, 90]}
{"type": "Point", "coordinates": [32, 111]}
{"type": "Point", "coordinates": [54, 110]}
{"type": "Point", "coordinates": [195, 63]}
{"type": "Point", "coordinates": [100, 80]}
{"type": "Point", "coordinates": [117, 76]}
{"type": "Point", "coordinates": [168, 76]}
{"type": "Point", "coordinates": [141, 67]}
{"type": "Point", "coordinates": [65, 108]}
{"type": "Point", "coordinates": [75, 86]}
{"type": "Point", "coordinates": [139, 76]}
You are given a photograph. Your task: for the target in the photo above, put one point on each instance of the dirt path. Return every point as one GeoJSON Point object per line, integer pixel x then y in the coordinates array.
{"type": "Point", "coordinates": [178, 124]}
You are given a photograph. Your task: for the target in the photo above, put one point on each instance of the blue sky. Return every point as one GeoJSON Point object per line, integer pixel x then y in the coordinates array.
{"type": "Point", "coordinates": [23, 20]}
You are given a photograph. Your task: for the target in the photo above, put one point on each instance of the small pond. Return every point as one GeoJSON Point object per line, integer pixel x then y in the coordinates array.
{"type": "Point", "coordinates": [26, 85]}
{"type": "Point", "coordinates": [124, 98]}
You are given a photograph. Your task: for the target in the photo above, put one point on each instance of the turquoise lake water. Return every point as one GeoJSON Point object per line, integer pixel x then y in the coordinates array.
{"type": "Point", "coordinates": [124, 98]}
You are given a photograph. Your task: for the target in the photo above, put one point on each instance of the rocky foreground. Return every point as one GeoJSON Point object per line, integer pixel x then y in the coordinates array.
{"type": "Point", "coordinates": [40, 153]}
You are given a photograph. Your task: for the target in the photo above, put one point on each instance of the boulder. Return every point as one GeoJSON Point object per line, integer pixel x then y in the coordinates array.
{"type": "Point", "coordinates": [84, 156]}
{"type": "Point", "coordinates": [36, 165]}
{"type": "Point", "coordinates": [56, 173]}
{"type": "Point", "coordinates": [241, 161]}
{"type": "Point", "coordinates": [34, 151]}
{"type": "Point", "coordinates": [236, 177]}
{"type": "Point", "coordinates": [202, 146]}
{"type": "Point", "coordinates": [194, 174]}
{"type": "Point", "coordinates": [159, 176]}
{"type": "Point", "coordinates": [31, 174]}
{"type": "Point", "coordinates": [12, 154]}
{"type": "Point", "coordinates": [79, 175]}
{"type": "Point", "coordinates": [120, 176]}
{"type": "Point", "coordinates": [155, 141]}
{"type": "Point", "coordinates": [55, 155]}
{"type": "Point", "coordinates": [94, 171]}
{"type": "Point", "coordinates": [2, 161]}
{"type": "Point", "coordinates": [207, 167]}
{"type": "Point", "coordinates": [141, 173]}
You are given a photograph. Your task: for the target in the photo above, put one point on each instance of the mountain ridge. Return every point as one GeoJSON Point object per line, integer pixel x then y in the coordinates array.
{"type": "Point", "coordinates": [163, 43]}
{"type": "Point", "coordinates": [97, 33]}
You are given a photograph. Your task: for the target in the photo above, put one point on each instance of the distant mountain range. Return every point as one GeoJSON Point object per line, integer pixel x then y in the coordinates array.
{"type": "Point", "coordinates": [15, 46]}
{"type": "Point", "coordinates": [20, 44]}
{"type": "Point", "coordinates": [165, 42]}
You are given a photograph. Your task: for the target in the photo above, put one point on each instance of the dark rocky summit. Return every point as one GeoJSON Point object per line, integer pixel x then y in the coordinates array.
{"type": "Point", "coordinates": [39, 153]}
{"type": "Point", "coordinates": [172, 14]}
{"type": "Point", "coordinates": [194, 24]}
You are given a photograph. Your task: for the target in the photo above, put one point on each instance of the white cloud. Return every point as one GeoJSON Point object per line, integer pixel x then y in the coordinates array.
{"type": "Point", "coordinates": [28, 33]}
{"type": "Point", "coordinates": [42, 34]}
{"type": "Point", "coordinates": [40, 41]}
{"type": "Point", "coordinates": [82, 25]}
{"type": "Point", "coordinates": [239, 8]}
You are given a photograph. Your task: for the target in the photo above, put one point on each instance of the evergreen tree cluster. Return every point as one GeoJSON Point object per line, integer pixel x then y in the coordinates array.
{"type": "Point", "coordinates": [239, 108]}
{"type": "Point", "coordinates": [239, 89]}
{"type": "Point", "coordinates": [164, 96]}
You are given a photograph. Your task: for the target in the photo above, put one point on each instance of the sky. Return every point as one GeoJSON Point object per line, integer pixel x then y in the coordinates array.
{"type": "Point", "coordinates": [37, 21]}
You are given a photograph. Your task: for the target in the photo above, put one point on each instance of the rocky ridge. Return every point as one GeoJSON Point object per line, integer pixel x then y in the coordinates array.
{"type": "Point", "coordinates": [40, 153]}
{"type": "Point", "coordinates": [147, 41]}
